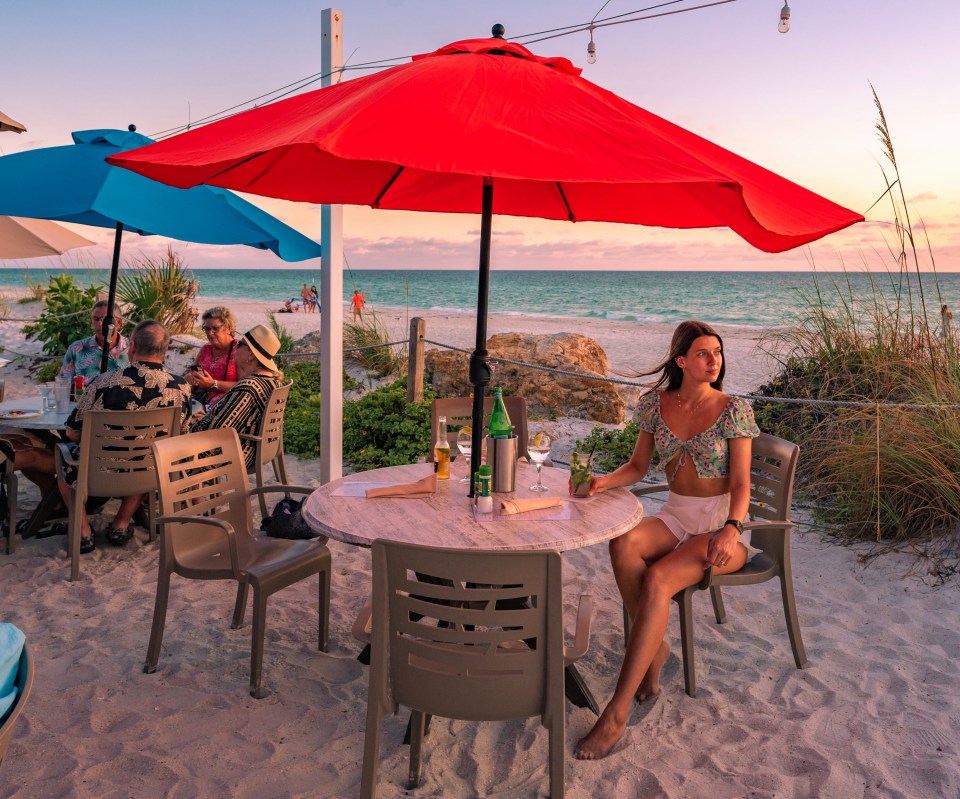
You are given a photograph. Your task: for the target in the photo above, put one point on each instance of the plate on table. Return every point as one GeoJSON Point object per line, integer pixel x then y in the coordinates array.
{"type": "Point", "coordinates": [23, 413]}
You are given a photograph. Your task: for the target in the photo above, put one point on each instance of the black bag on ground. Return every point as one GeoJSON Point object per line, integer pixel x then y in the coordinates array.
{"type": "Point", "coordinates": [286, 521]}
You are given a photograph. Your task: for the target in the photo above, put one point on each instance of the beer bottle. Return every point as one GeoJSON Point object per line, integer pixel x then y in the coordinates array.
{"type": "Point", "coordinates": [500, 426]}
{"type": "Point", "coordinates": [441, 450]}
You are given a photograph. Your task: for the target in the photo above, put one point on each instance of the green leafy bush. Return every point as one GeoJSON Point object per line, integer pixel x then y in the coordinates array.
{"type": "Point", "coordinates": [49, 371]}
{"type": "Point", "coordinates": [159, 289]}
{"type": "Point", "coordinates": [301, 424]}
{"type": "Point", "coordinates": [65, 316]}
{"type": "Point", "coordinates": [383, 429]}
{"type": "Point", "coordinates": [611, 448]}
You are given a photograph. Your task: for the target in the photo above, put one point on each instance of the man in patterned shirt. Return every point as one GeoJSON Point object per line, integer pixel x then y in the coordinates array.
{"type": "Point", "coordinates": [145, 383]}
{"type": "Point", "coordinates": [83, 356]}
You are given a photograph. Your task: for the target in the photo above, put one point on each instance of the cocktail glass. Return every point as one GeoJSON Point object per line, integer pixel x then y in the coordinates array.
{"type": "Point", "coordinates": [538, 447]}
{"type": "Point", "coordinates": [47, 400]}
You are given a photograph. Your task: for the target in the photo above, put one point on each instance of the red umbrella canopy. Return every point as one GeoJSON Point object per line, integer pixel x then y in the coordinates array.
{"type": "Point", "coordinates": [424, 136]}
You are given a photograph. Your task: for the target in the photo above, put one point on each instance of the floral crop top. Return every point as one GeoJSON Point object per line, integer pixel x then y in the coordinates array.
{"type": "Point", "coordinates": [708, 449]}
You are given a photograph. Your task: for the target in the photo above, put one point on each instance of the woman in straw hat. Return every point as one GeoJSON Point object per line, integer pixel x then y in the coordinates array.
{"type": "Point", "coordinates": [243, 406]}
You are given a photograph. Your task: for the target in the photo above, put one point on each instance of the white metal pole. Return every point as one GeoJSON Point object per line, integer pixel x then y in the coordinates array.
{"type": "Point", "coordinates": [331, 283]}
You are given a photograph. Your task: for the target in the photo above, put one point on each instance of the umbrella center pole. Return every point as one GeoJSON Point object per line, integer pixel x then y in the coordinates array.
{"type": "Point", "coordinates": [107, 329]}
{"type": "Point", "coordinates": [479, 368]}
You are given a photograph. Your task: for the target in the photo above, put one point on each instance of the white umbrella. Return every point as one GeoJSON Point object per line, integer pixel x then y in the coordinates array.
{"type": "Point", "coordinates": [10, 124]}
{"type": "Point", "coordinates": [32, 238]}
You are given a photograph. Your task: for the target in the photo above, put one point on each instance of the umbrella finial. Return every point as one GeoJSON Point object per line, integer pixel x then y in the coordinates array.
{"type": "Point", "coordinates": [132, 128]}
{"type": "Point", "coordinates": [498, 31]}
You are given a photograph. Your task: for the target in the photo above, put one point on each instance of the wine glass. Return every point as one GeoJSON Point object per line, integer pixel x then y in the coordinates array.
{"type": "Point", "coordinates": [465, 445]}
{"type": "Point", "coordinates": [538, 448]}
{"type": "Point", "coordinates": [46, 404]}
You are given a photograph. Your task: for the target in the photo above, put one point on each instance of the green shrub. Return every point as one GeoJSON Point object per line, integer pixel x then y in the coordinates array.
{"type": "Point", "coordinates": [65, 316]}
{"type": "Point", "coordinates": [611, 447]}
{"type": "Point", "coordinates": [163, 290]}
{"type": "Point", "coordinates": [286, 340]}
{"type": "Point", "coordinates": [301, 424]}
{"type": "Point", "coordinates": [49, 371]}
{"type": "Point", "coordinates": [383, 429]}
{"type": "Point", "coordinates": [370, 332]}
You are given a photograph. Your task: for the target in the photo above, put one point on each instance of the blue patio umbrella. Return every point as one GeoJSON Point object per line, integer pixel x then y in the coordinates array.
{"type": "Point", "coordinates": [73, 183]}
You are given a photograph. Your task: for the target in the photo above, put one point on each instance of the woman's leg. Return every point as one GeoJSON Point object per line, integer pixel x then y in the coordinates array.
{"type": "Point", "coordinates": [660, 581]}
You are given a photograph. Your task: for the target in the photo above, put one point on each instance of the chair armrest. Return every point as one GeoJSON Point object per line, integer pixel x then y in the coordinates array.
{"type": "Point", "coordinates": [282, 489]}
{"type": "Point", "coordinates": [768, 524]}
{"type": "Point", "coordinates": [581, 636]}
{"type": "Point", "coordinates": [363, 624]}
{"type": "Point", "coordinates": [64, 456]}
{"type": "Point", "coordinates": [212, 522]}
{"type": "Point", "coordinates": [250, 437]}
{"type": "Point", "coordinates": [643, 490]}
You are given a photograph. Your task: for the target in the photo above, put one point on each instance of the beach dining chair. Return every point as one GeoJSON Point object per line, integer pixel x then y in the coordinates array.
{"type": "Point", "coordinates": [459, 412]}
{"type": "Point", "coordinates": [772, 472]}
{"type": "Point", "coordinates": [24, 684]}
{"type": "Point", "coordinates": [115, 460]}
{"type": "Point", "coordinates": [206, 533]}
{"type": "Point", "coordinates": [480, 640]}
{"type": "Point", "coordinates": [269, 441]}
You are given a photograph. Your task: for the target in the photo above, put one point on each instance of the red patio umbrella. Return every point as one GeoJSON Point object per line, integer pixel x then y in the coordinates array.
{"type": "Point", "coordinates": [486, 126]}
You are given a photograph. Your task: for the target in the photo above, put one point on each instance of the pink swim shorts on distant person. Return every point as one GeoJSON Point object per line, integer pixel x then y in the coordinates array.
{"type": "Point", "coordinates": [687, 517]}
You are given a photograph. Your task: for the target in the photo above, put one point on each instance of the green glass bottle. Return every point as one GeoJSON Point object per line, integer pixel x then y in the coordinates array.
{"type": "Point", "coordinates": [500, 426]}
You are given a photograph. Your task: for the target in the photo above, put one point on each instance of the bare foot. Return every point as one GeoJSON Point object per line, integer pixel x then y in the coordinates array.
{"type": "Point", "coordinates": [597, 743]}
{"type": "Point", "coordinates": [650, 685]}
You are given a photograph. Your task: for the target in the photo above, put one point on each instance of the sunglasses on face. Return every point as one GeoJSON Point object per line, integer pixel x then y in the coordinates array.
{"type": "Point", "coordinates": [212, 329]}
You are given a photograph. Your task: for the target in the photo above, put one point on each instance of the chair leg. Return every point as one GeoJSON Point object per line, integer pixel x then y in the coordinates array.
{"type": "Point", "coordinates": [280, 468]}
{"type": "Point", "coordinates": [417, 723]}
{"type": "Point", "coordinates": [557, 743]}
{"type": "Point", "coordinates": [371, 745]}
{"type": "Point", "coordinates": [74, 508]}
{"type": "Point", "coordinates": [12, 503]}
{"type": "Point", "coordinates": [323, 607]}
{"type": "Point", "coordinates": [159, 619]}
{"type": "Point", "coordinates": [256, 644]}
{"type": "Point", "coordinates": [264, 513]}
{"type": "Point", "coordinates": [685, 606]}
{"type": "Point", "coordinates": [718, 610]}
{"type": "Point", "coordinates": [240, 607]}
{"type": "Point", "coordinates": [793, 622]}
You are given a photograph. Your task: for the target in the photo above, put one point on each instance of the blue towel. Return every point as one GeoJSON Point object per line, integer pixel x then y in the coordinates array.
{"type": "Point", "coordinates": [11, 645]}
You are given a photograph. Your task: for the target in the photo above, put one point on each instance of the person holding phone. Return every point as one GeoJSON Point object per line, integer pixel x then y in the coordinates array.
{"type": "Point", "coordinates": [215, 371]}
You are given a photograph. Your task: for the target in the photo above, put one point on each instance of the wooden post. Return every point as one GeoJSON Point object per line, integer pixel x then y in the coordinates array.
{"type": "Point", "coordinates": [418, 331]}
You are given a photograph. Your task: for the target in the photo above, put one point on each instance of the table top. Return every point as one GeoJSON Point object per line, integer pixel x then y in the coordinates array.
{"type": "Point", "coordinates": [446, 519]}
{"type": "Point", "coordinates": [45, 421]}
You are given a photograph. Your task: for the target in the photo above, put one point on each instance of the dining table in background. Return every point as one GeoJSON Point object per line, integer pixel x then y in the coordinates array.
{"type": "Point", "coordinates": [446, 519]}
{"type": "Point", "coordinates": [47, 426]}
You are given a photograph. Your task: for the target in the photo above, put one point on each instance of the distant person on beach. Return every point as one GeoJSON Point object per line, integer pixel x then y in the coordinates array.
{"type": "Point", "coordinates": [215, 371]}
{"type": "Point", "coordinates": [704, 438]}
{"type": "Point", "coordinates": [307, 298]}
{"type": "Point", "coordinates": [315, 298]}
{"type": "Point", "coordinates": [83, 356]}
{"type": "Point", "coordinates": [243, 406]}
{"type": "Point", "coordinates": [145, 383]}
{"type": "Point", "coordinates": [357, 303]}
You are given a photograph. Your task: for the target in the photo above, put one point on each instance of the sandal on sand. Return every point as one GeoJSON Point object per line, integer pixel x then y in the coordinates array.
{"type": "Point", "coordinates": [118, 536]}
{"type": "Point", "coordinates": [87, 545]}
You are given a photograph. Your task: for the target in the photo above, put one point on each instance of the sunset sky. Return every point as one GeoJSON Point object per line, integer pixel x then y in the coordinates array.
{"type": "Point", "coordinates": [799, 104]}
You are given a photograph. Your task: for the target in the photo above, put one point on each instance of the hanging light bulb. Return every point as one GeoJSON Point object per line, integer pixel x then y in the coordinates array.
{"type": "Point", "coordinates": [591, 53]}
{"type": "Point", "coordinates": [784, 25]}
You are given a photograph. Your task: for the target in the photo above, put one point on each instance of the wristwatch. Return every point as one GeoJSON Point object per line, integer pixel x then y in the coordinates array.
{"type": "Point", "coordinates": [736, 523]}
{"type": "Point", "coordinates": [213, 387]}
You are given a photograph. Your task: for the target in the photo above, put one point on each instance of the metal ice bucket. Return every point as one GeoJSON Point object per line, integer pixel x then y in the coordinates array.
{"type": "Point", "coordinates": [502, 457]}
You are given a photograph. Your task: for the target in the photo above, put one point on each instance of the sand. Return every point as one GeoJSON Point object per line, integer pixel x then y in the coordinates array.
{"type": "Point", "coordinates": [873, 714]}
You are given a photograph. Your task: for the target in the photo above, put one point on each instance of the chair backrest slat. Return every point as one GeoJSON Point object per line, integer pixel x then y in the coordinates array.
{"type": "Point", "coordinates": [773, 468]}
{"type": "Point", "coordinates": [271, 426]}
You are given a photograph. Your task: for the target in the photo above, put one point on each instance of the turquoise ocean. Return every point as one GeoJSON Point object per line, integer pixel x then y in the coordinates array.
{"type": "Point", "coordinates": [751, 299]}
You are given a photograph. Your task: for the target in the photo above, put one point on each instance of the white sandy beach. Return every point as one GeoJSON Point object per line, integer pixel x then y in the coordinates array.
{"type": "Point", "coordinates": [872, 716]}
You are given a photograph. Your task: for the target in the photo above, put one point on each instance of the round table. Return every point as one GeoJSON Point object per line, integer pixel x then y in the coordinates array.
{"type": "Point", "coordinates": [51, 420]}
{"type": "Point", "coordinates": [446, 519]}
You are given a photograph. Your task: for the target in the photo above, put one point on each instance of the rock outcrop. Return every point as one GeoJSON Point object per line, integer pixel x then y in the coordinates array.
{"type": "Point", "coordinates": [547, 393]}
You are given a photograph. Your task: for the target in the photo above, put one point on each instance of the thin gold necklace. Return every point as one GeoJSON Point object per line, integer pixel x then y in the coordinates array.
{"type": "Point", "coordinates": [695, 408]}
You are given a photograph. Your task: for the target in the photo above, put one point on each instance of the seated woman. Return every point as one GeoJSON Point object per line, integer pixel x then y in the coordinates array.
{"type": "Point", "coordinates": [704, 438]}
{"type": "Point", "coordinates": [215, 371]}
{"type": "Point", "coordinates": [243, 406]}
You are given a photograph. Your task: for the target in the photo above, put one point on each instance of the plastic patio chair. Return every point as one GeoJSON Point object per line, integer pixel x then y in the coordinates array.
{"type": "Point", "coordinates": [459, 412]}
{"type": "Point", "coordinates": [207, 534]}
{"type": "Point", "coordinates": [269, 441]}
{"type": "Point", "coordinates": [115, 460]}
{"type": "Point", "coordinates": [481, 641]}
{"type": "Point", "coordinates": [10, 485]}
{"type": "Point", "coordinates": [25, 673]}
{"type": "Point", "coordinates": [772, 472]}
